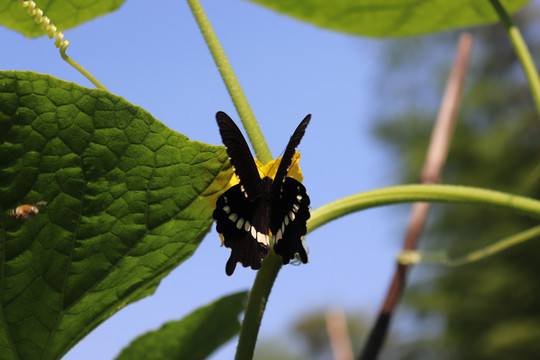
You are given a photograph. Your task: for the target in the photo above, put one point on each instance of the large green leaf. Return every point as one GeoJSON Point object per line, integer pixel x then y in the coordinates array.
{"type": "Point", "coordinates": [384, 18]}
{"type": "Point", "coordinates": [194, 337]}
{"type": "Point", "coordinates": [64, 14]}
{"type": "Point", "coordinates": [128, 200]}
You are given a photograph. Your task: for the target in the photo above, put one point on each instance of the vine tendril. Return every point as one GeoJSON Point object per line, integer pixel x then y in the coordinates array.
{"type": "Point", "coordinates": [53, 32]}
{"type": "Point", "coordinates": [50, 29]}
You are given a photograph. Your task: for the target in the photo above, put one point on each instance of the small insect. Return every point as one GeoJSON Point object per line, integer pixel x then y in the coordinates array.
{"type": "Point", "coordinates": [27, 211]}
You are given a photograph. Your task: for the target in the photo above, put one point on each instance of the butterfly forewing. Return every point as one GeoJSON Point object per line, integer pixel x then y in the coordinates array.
{"type": "Point", "coordinates": [239, 156]}
{"type": "Point", "coordinates": [286, 159]}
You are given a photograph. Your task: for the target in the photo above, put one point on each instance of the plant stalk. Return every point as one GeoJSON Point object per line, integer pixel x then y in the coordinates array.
{"type": "Point", "coordinates": [258, 297]}
{"type": "Point", "coordinates": [442, 257]}
{"type": "Point", "coordinates": [431, 193]}
{"type": "Point", "coordinates": [238, 97]}
{"type": "Point", "coordinates": [267, 274]}
{"type": "Point", "coordinates": [522, 51]}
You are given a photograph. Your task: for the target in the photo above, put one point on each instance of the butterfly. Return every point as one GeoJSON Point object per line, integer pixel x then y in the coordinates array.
{"type": "Point", "coordinates": [248, 211]}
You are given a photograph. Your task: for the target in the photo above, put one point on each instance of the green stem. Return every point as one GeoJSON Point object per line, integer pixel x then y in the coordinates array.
{"type": "Point", "coordinates": [522, 51]}
{"type": "Point", "coordinates": [267, 274]}
{"type": "Point", "coordinates": [254, 133]}
{"type": "Point", "coordinates": [443, 258]}
{"type": "Point", "coordinates": [386, 196]}
{"type": "Point", "coordinates": [432, 193]}
{"type": "Point", "coordinates": [257, 300]}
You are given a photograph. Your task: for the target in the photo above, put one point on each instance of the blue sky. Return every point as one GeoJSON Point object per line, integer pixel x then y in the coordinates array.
{"type": "Point", "coordinates": [156, 58]}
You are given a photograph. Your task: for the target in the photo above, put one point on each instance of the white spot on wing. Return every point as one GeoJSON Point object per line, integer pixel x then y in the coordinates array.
{"type": "Point", "coordinates": [291, 215]}
{"type": "Point", "coordinates": [247, 226]}
{"type": "Point", "coordinates": [227, 209]}
{"type": "Point", "coordinates": [243, 190]}
{"type": "Point", "coordinates": [262, 238]}
{"type": "Point", "coordinates": [295, 207]}
{"type": "Point", "coordinates": [286, 220]}
{"type": "Point", "coordinates": [240, 224]}
{"type": "Point", "coordinates": [253, 232]}
{"type": "Point", "coordinates": [279, 235]}
{"type": "Point", "coordinates": [233, 217]}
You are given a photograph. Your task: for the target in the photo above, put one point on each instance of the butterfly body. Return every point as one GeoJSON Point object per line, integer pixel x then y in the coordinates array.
{"type": "Point", "coordinates": [248, 212]}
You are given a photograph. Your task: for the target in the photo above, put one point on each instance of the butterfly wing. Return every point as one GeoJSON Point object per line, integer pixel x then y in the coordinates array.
{"type": "Point", "coordinates": [286, 159]}
{"type": "Point", "coordinates": [242, 212]}
{"type": "Point", "coordinates": [289, 204]}
{"type": "Point", "coordinates": [239, 156]}
{"type": "Point", "coordinates": [289, 214]}
{"type": "Point", "coordinates": [235, 216]}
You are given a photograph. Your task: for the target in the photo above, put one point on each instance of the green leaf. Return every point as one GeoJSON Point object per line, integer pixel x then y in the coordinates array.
{"type": "Point", "coordinates": [385, 18]}
{"type": "Point", "coordinates": [128, 201]}
{"type": "Point", "coordinates": [194, 337]}
{"type": "Point", "coordinates": [64, 14]}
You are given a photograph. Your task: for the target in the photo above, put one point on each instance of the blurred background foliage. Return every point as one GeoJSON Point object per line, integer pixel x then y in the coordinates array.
{"type": "Point", "coordinates": [488, 309]}
{"type": "Point", "coordinates": [484, 310]}
{"type": "Point", "coordinates": [308, 338]}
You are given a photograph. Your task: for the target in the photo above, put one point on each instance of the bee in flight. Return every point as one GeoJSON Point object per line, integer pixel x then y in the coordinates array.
{"type": "Point", "coordinates": [27, 211]}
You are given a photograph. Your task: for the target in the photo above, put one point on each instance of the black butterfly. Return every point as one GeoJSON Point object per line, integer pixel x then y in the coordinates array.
{"type": "Point", "coordinates": [246, 212]}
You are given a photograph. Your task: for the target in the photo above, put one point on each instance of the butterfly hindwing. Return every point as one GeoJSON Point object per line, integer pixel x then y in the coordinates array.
{"type": "Point", "coordinates": [289, 214]}
{"type": "Point", "coordinates": [239, 221]}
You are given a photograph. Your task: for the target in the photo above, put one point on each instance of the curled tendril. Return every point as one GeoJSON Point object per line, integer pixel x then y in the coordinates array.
{"type": "Point", "coordinates": [50, 29]}
{"type": "Point", "coordinates": [60, 43]}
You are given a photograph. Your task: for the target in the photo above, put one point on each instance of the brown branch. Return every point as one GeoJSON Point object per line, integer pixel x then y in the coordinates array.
{"type": "Point", "coordinates": [435, 160]}
{"type": "Point", "coordinates": [336, 326]}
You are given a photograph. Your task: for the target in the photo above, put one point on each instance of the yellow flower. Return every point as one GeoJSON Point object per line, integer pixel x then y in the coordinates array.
{"type": "Point", "coordinates": [270, 170]}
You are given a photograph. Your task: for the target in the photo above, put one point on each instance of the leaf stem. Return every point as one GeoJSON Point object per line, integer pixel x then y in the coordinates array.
{"type": "Point", "coordinates": [431, 193]}
{"type": "Point", "coordinates": [238, 97]}
{"type": "Point", "coordinates": [522, 51]}
{"type": "Point", "coordinates": [442, 257]}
